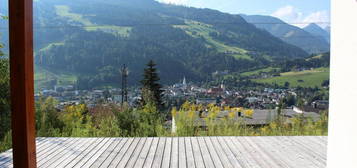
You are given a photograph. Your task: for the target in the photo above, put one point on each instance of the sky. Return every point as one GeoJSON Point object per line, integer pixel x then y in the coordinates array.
{"type": "Point", "coordinates": [296, 12]}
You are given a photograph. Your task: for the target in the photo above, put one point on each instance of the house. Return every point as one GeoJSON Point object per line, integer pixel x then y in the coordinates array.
{"type": "Point", "coordinates": [320, 104]}
{"type": "Point", "coordinates": [206, 101]}
{"type": "Point", "coordinates": [215, 91]}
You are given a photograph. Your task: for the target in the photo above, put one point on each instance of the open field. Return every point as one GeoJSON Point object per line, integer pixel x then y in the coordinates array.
{"type": "Point", "coordinates": [308, 78]}
{"type": "Point", "coordinates": [64, 11]}
{"type": "Point", "coordinates": [44, 78]}
{"type": "Point", "coordinates": [197, 29]}
{"type": "Point", "coordinates": [258, 71]}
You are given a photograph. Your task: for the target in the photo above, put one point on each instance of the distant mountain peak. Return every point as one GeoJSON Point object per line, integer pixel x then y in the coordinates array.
{"type": "Point", "coordinates": [290, 33]}
{"type": "Point", "coordinates": [328, 29]}
{"type": "Point", "coordinates": [313, 26]}
{"type": "Point", "coordinates": [316, 30]}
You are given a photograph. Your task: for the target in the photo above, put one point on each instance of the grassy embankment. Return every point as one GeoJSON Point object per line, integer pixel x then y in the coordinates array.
{"type": "Point", "coordinates": [308, 78]}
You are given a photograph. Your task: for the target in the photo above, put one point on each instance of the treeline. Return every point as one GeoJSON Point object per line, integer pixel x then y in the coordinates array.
{"type": "Point", "coordinates": [5, 119]}
{"type": "Point", "coordinates": [314, 61]}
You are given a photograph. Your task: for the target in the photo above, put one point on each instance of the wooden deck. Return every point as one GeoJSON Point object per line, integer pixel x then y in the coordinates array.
{"type": "Point", "coordinates": [186, 152]}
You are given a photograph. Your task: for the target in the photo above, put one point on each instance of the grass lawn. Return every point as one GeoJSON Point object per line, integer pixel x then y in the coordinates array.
{"type": "Point", "coordinates": [308, 78]}
{"type": "Point", "coordinates": [198, 29]}
{"type": "Point", "coordinates": [44, 78]}
{"type": "Point", "coordinates": [256, 72]}
{"type": "Point", "coordinates": [64, 11]}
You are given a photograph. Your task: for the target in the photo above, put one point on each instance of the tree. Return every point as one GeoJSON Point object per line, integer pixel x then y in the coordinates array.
{"type": "Point", "coordinates": [4, 95]}
{"type": "Point", "coordinates": [287, 84]}
{"type": "Point", "coordinates": [151, 91]}
{"type": "Point", "coordinates": [325, 83]}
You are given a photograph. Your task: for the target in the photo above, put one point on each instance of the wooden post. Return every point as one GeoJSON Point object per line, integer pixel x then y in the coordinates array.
{"type": "Point", "coordinates": [22, 83]}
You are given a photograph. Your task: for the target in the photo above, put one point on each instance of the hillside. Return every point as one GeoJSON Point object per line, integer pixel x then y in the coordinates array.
{"type": "Point", "coordinates": [92, 39]}
{"type": "Point", "coordinates": [307, 78]}
{"type": "Point", "coordinates": [311, 43]}
{"type": "Point", "coordinates": [316, 30]}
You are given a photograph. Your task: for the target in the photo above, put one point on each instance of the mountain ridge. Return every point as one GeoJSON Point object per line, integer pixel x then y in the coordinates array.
{"type": "Point", "coordinates": [289, 33]}
{"type": "Point", "coordinates": [94, 39]}
{"type": "Point", "coordinates": [316, 30]}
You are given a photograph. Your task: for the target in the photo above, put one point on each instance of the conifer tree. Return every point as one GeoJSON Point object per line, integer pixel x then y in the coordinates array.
{"type": "Point", "coordinates": [151, 91]}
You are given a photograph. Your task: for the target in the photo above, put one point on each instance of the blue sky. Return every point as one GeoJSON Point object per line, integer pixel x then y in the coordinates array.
{"type": "Point", "coordinates": [296, 12]}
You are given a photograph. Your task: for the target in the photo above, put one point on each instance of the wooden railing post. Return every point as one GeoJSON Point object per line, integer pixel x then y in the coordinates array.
{"type": "Point", "coordinates": [22, 83]}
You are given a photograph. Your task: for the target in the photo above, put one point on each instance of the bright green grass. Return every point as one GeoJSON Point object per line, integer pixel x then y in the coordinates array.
{"type": "Point", "coordinates": [311, 78]}
{"type": "Point", "coordinates": [49, 46]}
{"type": "Point", "coordinates": [44, 77]}
{"type": "Point", "coordinates": [203, 30]}
{"type": "Point", "coordinates": [64, 11]}
{"type": "Point", "coordinates": [258, 71]}
{"type": "Point", "coordinates": [314, 57]}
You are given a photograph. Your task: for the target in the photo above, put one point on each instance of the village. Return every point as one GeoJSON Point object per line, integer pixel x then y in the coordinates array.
{"type": "Point", "coordinates": [263, 102]}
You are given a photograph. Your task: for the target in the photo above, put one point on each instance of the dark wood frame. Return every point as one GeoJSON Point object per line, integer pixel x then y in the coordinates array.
{"type": "Point", "coordinates": [22, 83]}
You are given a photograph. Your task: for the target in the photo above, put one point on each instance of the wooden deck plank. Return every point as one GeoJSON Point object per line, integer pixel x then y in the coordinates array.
{"type": "Point", "coordinates": [222, 155]}
{"type": "Point", "coordinates": [186, 152]}
{"type": "Point", "coordinates": [98, 153]}
{"type": "Point", "coordinates": [182, 153]}
{"type": "Point", "coordinates": [119, 156]}
{"type": "Point", "coordinates": [167, 153]}
{"type": "Point", "coordinates": [305, 145]}
{"type": "Point", "coordinates": [280, 151]}
{"type": "Point", "coordinates": [117, 150]}
{"type": "Point", "coordinates": [302, 150]}
{"type": "Point", "coordinates": [76, 152]}
{"type": "Point", "coordinates": [215, 157]}
{"type": "Point", "coordinates": [310, 143]}
{"type": "Point", "coordinates": [174, 159]}
{"type": "Point", "coordinates": [82, 153]}
{"type": "Point", "coordinates": [269, 151]}
{"type": "Point", "coordinates": [232, 159]}
{"type": "Point", "coordinates": [127, 155]}
{"type": "Point", "coordinates": [90, 152]}
{"type": "Point", "coordinates": [197, 153]}
{"type": "Point", "coordinates": [189, 153]}
{"type": "Point", "coordinates": [206, 155]}
{"type": "Point", "coordinates": [243, 155]}
{"type": "Point", "coordinates": [57, 153]}
{"type": "Point", "coordinates": [8, 161]}
{"type": "Point", "coordinates": [87, 153]}
{"type": "Point", "coordinates": [135, 154]}
{"type": "Point", "coordinates": [262, 154]}
{"type": "Point", "coordinates": [51, 145]}
{"type": "Point", "coordinates": [70, 152]}
{"type": "Point", "coordinates": [159, 153]}
{"type": "Point", "coordinates": [149, 160]}
{"type": "Point", "coordinates": [144, 152]}
{"type": "Point", "coordinates": [6, 157]}
{"type": "Point", "coordinates": [106, 153]}
{"type": "Point", "coordinates": [251, 153]}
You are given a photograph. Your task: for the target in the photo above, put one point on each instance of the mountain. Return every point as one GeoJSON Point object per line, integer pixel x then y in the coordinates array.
{"type": "Point", "coordinates": [92, 39]}
{"type": "Point", "coordinates": [316, 30]}
{"type": "Point", "coordinates": [328, 29]}
{"type": "Point", "coordinates": [289, 33]}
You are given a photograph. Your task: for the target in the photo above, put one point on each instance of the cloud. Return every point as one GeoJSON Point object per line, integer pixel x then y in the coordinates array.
{"type": "Point", "coordinates": [176, 2]}
{"type": "Point", "coordinates": [293, 16]}
{"type": "Point", "coordinates": [319, 17]}
{"type": "Point", "coordinates": [288, 13]}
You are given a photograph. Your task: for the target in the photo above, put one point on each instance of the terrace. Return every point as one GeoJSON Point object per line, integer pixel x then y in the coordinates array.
{"type": "Point", "coordinates": [263, 152]}
{"type": "Point", "coordinates": [30, 152]}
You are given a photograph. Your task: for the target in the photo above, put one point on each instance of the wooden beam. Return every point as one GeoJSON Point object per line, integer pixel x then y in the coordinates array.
{"type": "Point", "coordinates": [22, 83]}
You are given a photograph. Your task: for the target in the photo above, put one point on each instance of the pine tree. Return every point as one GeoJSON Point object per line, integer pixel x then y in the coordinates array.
{"type": "Point", "coordinates": [151, 91]}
